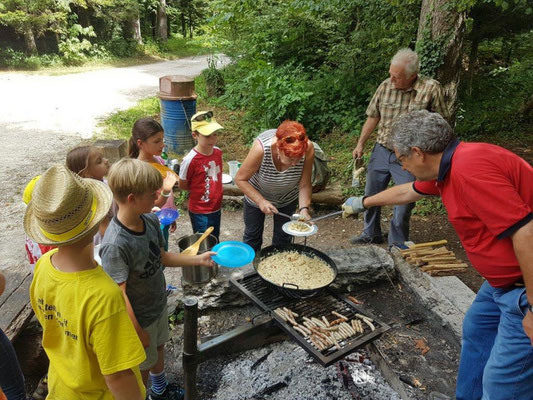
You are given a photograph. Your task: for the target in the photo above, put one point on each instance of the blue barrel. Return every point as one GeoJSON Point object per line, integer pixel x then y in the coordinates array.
{"type": "Point", "coordinates": [176, 118]}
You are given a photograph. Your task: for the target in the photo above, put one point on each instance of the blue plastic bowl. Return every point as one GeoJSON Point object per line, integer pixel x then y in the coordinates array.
{"type": "Point", "coordinates": [167, 215]}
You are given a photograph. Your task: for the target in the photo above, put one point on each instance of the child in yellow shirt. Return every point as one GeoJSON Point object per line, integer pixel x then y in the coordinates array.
{"type": "Point", "coordinates": [88, 336]}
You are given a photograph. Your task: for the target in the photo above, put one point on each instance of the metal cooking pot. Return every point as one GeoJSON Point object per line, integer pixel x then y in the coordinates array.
{"type": "Point", "coordinates": [198, 274]}
{"type": "Point", "coordinates": [289, 289]}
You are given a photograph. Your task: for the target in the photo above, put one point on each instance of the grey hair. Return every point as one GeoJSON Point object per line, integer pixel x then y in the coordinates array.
{"type": "Point", "coordinates": [426, 130]}
{"type": "Point", "coordinates": [409, 59]}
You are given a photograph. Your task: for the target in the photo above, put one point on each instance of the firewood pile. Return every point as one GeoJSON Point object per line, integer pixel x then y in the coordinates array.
{"type": "Point", "coordinates": [434, 258]}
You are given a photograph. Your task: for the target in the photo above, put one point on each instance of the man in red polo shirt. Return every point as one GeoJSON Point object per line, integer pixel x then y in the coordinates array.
{"type": "Point", "coordinates": [488, 194]}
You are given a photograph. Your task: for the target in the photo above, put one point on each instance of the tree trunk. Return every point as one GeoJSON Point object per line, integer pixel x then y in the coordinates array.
{"type": "Point", "coordinates": [190, 24]}
{"type": "Point", "coordinates": [134, 28]}
{"type": "Point", "coordinates": [29, 41]}
{"type": "Point", "coordinates": [183, 25]}
{"type": "Point", "coordinates": [162, 21]}
{"type": "Point", "coordinates": [448, 28]}
{"type": "Point", "coordinates": [472, 59]}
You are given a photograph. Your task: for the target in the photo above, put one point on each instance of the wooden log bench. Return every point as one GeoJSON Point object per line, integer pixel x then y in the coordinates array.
{"type": "Point", "coordinates": [15, 307]}
{"type": "Point", "coordinates": [332, 195]}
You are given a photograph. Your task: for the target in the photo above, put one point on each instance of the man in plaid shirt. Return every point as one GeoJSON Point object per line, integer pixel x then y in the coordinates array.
{"type": "Point", "coordinates": [403, 92]}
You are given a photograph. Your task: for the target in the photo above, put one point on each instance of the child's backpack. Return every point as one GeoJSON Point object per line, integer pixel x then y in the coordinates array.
{"type": "Point", "coordinates": [321, 173]}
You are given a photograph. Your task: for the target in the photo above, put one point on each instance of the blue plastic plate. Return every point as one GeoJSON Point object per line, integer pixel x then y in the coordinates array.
{"type": "Point", "coordinates": [233, 254]}
{"type": "Point", "coordinates": [167, 215]}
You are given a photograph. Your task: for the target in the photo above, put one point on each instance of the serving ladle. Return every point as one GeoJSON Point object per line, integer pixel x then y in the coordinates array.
{"type": "Point", "coordinates": [293, 217]}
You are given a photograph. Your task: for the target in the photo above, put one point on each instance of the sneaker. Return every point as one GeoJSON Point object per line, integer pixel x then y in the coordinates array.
{"type": "Point", "coordinates": [363, 239]}
{"type": "Point", "coordinates": [398, 246]}
{"type": "Point", "coordinates": [172, 392]}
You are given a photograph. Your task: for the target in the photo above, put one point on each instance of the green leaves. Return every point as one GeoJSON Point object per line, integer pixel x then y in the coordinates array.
{"type": "Point", "coordinates": [317, 61]}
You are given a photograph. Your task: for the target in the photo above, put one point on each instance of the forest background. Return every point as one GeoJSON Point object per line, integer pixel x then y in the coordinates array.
{"type": "Point", "coordinates": [318, 62]}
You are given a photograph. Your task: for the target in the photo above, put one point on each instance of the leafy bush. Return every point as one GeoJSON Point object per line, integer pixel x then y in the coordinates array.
{"type": "Point", "coordinates": [11, 59]}
{"type": "Point", "coordinates": [318, 62]}
{"type": "Point", "coordinates": [214, 79]}
{"type": "Point", "coordinates": [74, 47]}
{"type": "Point", "coordinates": [494, 109]}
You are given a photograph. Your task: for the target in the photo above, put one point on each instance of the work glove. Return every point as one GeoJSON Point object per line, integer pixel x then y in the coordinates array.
{"type": "Point", "coordinates": [354, 205]}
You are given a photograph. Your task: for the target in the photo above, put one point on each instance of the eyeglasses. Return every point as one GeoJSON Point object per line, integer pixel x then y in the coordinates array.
{"type": "Point", "coordinates": [292, 139]}
{"type": "Point", "coordinates": [204, 117]}
{"type": "Point", "coordinates": [397, 160]}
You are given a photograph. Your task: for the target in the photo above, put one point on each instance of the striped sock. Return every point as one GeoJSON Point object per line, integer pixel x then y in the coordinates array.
{"type": "Point", "coordinates": [159, 382]}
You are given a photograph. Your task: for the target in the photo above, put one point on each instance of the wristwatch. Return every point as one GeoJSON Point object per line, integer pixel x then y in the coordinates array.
{"type": "Point", "coordinates": [301, 208]}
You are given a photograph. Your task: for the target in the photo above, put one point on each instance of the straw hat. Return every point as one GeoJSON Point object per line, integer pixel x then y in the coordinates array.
{"type": "Point", "coordinates": [64, 208]}
{"type": "Point", "coordinates": [28, 190]}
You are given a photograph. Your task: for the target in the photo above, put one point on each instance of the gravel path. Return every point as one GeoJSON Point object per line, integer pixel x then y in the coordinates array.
{"type": "Point", "coordinates": [42, 117]}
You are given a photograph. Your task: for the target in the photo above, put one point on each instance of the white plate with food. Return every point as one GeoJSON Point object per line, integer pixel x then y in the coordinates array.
{"type": "Point", "coordinates": [299, 228]}
{"type": "Point", "coordinates": [226, 178]}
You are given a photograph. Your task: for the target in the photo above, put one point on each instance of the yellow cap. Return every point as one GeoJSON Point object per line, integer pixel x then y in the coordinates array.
{"type": "Point", "coordinates": [28, 190]}
{"type": "Point", "coordinates": [206, 126]}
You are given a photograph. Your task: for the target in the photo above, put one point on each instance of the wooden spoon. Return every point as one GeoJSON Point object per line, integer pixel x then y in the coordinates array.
{"type": "Point", "coordinates": [192, 250]}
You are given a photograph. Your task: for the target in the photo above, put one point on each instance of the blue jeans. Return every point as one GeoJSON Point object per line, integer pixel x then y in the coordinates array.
{"type": "Point", "coordinates": [381, 168]}
{"type": "Point", "coordinates": [11, 378]}
{"type": "Point", "coordinates": [200, 222]}
{"type": "Point", "coordinates": [496, 356]}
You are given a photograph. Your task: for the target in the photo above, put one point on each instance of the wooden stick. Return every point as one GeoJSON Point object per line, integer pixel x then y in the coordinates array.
{"type": "Point", "coordinates": [447, 258]}
{"type": "Point", "coordinates": [441, 254]}
{"type": "Point", "coordinates": [439, 262]}
{"type": "Point", "coordinates": [446, 272]}
{"type": "Point", "coordinates": [429, 244]}
{"type": "Point", "coordinates": [433, 267]}
{"type": "Point", "coordinates": [426, 251]}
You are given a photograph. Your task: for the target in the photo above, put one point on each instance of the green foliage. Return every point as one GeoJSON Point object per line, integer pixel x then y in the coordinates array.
{"type": "Point", "coordinates": [176, 318]}
{"type": "Point", "coordinates": [429, 206]}
{"type": "Point", "coordinates": [318, 62]}
{"type": "Point", "coordinates": [17, 60]}
{"type": "Point", "coordinates": [39, 16]}
{"type": "Point", "coordinates": [214, 79]}
{"type": "Point", "coordinates": [181, 199]}
{"type": "Point", "coordinates": [499, 91]}
{"type": "Point", "coordinates": [431, 53]}
{"type": "Point", "coordinates": [74, 46]}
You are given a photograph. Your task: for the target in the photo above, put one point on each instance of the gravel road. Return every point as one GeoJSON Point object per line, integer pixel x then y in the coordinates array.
{"type": "Point", "coordinates": [42, 117]}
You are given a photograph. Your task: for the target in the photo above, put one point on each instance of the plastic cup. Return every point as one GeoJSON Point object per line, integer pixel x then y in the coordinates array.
{"type": "Point", "coordinates": [233, 168]}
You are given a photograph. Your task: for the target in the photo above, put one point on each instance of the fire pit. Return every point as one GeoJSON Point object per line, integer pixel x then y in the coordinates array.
{"type": "Point", "coordinates": [270, 329]}
{"type": "Point", "coordinates": [268, 300]}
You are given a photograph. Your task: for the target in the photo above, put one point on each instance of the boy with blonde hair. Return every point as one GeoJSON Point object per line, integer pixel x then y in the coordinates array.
{"type": "Point", "coordinates": [133, 255]}
{"type": "Point", "coordinates": [93, 348]}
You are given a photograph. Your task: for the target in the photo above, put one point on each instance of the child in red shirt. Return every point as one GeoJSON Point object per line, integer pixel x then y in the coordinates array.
{"type": "Point", "coordinates": [201, 174]}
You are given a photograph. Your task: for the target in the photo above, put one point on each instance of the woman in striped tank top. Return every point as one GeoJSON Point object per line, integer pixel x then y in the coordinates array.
{"type": "Point", "coordinates": [276, 176]}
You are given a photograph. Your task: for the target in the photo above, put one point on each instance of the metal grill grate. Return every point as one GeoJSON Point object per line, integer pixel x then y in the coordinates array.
{"type": "Point", "coordinates": [267, 299]}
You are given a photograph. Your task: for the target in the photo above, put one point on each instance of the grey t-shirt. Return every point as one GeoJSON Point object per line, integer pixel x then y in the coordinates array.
{"type": "Point", "coordinates": [135, 258]}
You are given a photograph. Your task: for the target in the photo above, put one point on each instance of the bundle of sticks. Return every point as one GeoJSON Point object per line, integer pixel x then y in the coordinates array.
{"type": "Point", "coordinates": [323, 333]}
{"type": "Point", "coordinates": [434, 258]}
